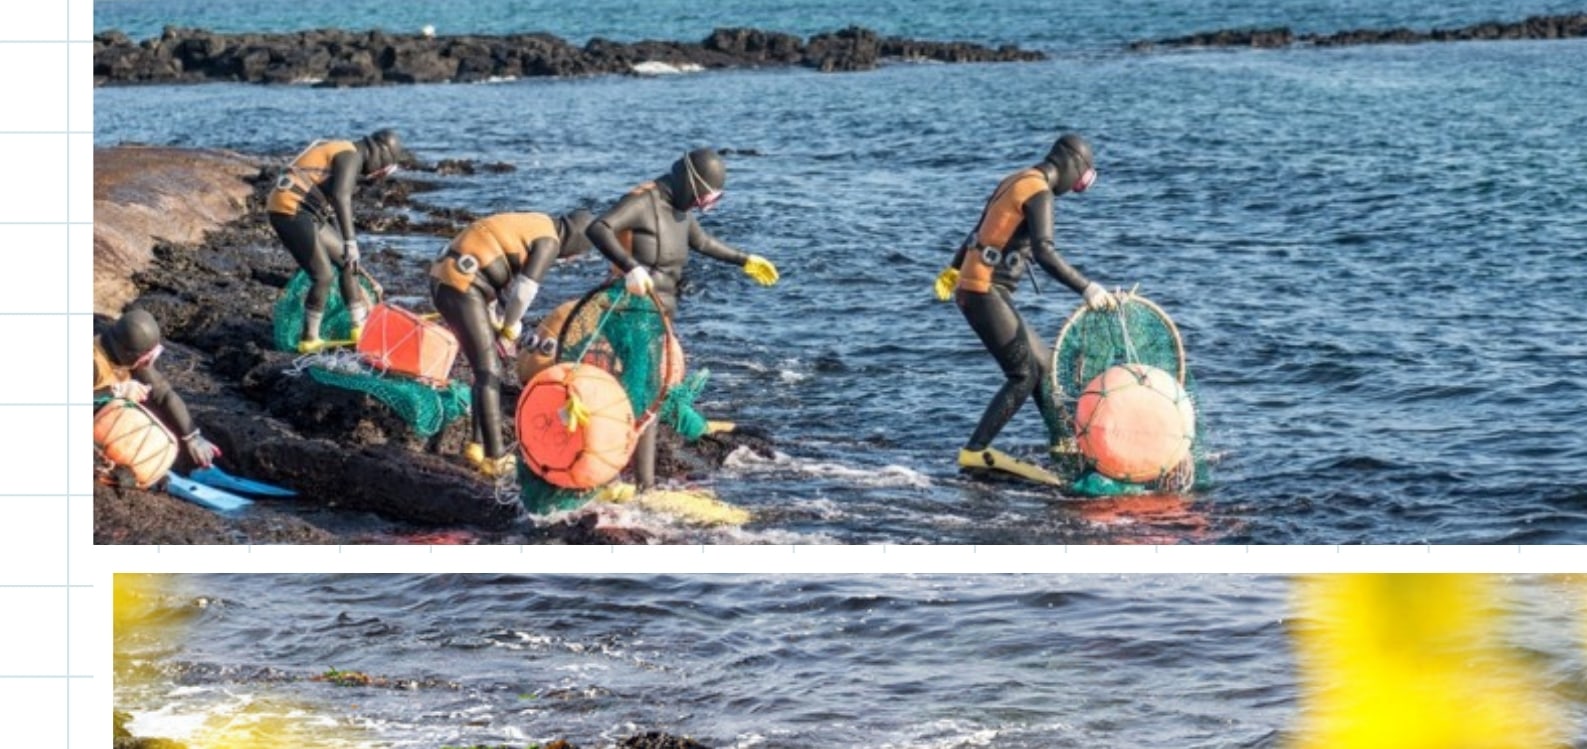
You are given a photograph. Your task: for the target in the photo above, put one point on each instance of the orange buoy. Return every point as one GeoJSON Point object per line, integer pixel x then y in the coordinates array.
{"type": "Point", "coordinates": [1134, 423]}
{"type": "Point", "coordinates": [127, 436]}
{"type": "Point", "coordinates": [397, 340]}
{"type": "Point", "coordinates": [541, 351]}
{"type": "Point", "coordinates": [575, 425]}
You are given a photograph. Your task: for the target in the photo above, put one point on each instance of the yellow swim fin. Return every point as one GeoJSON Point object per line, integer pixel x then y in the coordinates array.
{"type": "Point", "coordinates": [693, 506]}
{"type": "Point", "coordinates": [991, 459]}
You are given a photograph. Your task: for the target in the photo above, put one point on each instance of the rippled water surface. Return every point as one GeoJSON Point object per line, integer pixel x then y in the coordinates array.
{"type": "Point", "coordinates": [1377, 255]}
{"type": "Point", "coordinates": [773, 662]}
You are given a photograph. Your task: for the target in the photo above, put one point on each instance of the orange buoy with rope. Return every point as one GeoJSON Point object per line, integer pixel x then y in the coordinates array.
{"type": "Point", "coordinates": [1134, 423]}
{"type": "Point", "coordinates": [129, 439]}
{"type": "Point", "coordinates": [575, 426]}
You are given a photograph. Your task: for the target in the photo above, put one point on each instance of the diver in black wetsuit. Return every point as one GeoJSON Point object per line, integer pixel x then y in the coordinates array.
{"type": "Point", "coordinates": [482, 284]}
{"type": "Point", "coordinates": [1015, 228]}
{"type": "Point", "coordinates": [311, 210]}
{"type": "Point", "coordinates": [124, 359]}
{"type": "Point", "coordinates": [648, 235]}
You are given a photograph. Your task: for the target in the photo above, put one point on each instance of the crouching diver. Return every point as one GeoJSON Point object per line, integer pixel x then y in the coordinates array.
{"type": "Point", "coordinates": [124, 359]}
{"type": "Point", "coordinates": [1016, 226]}
{"type": "Point", "coordinates": [483, 284]}
{"type": "Point", "coordinates": [311, 210]}
{"type": "Point", "coordinates": [648, 235]}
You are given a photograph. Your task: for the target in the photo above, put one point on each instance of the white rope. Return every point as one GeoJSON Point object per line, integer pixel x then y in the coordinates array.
{"type": "Point", "coordinates": [347, 362]}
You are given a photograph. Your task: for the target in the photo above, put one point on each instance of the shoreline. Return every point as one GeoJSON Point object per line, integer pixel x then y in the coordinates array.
{"type": "Point", "coordinates": [210, 269]}
{"type": "Point", "coordinates": [1571, 26]}
{"type": "Point", "coordinates": [338, 58]}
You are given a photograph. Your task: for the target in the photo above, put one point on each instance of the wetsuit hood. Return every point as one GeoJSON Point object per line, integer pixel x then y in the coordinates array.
{"type": "Point", "coordinates": [1071, 157]}
{"type": "Point", "coordinates": [135, 334]}
{"type": "Point", "coordinates": [697, 179]}
{"type": "Point", "coordinates": [382, 151]}
{"type": "Point", "coordinates": [573, 240]}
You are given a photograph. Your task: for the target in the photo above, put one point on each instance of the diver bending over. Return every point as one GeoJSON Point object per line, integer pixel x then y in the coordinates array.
{"type": "Point", "coordinates": [648, 235]}
{"type": "Point", "coordinates": [482, 285]}
{"type": "Point", "coordinates": [1015, 228]}
{"type": "Point", "coordinates": [311, 210]}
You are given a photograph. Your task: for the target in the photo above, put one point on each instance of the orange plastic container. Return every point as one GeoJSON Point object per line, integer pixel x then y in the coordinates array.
{"type": "Point", "coordinates": [396, 340]}
{"type": "Point", "coordinates": [127, 435]}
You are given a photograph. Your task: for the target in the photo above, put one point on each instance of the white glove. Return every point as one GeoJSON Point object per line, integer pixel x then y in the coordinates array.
{"type": "Point", "coordinates": [520, 293]}
{"type": "Point", "coordinates": [202, 452]}
{"type": "Point", "coordinates": [130, 389]}
{"type": "Point", "coordinates": [1098, 298]}
{"type": "Point", "coordinates": [350, 253]}
{"type": "Point", "coordinates": [638, 281]}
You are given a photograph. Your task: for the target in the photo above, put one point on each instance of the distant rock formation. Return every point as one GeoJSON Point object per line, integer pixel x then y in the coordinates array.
{"type": "Point", "coordinates": [333, 57]}
{"type": "Point", "coordinates": [1536, 27]}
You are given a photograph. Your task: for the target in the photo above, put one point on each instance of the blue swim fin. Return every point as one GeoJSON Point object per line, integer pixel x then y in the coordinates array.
{"type": "Point", "coordinates": [207, 496]}
{"type": "Point", "coordinates": [215, 477]}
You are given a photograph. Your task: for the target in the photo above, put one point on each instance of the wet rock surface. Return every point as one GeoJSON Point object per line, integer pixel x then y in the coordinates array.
{"type": "Point", "coordinates": [1536, 27]}
{"type": "Point", "coordinates": [332, 57]}
{"type": "Point", "coordinates": [361, 473]}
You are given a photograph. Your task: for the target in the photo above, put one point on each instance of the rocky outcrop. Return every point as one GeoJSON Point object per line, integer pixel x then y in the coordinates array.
{"type": "Point", "coordinates": [1536, 27]}
{"type": "Point", "coordinates": [208, 267]}
{"type": "Point", "coordinates": [331, 57]}
{"type": "Point", "coordinates": [143, 196]}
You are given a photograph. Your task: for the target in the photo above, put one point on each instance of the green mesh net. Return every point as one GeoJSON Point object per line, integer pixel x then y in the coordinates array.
{"type": "Point", "coordinates": [428, 410]}
{"type": "Point", "coordinates": [289, 314]}
{"type": "Point", "coordinates": [1137, 332]}
{"type": "Point", "coordinates": [626, 336]}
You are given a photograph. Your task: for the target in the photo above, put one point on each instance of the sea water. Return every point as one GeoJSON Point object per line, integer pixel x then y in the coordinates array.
{"type": "Point", "coordinates": [1377, 255]}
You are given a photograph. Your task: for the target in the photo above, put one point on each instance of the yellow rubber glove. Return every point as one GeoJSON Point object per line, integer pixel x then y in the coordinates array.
{"type": "Point", "coordinates": [947, 281]}
{"type": "Point", "coordinates": [761, 270]}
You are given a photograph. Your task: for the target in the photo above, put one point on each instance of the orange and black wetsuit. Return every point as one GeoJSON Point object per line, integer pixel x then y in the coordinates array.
{"type": "Point", "coordinates": [1016, 227]}
{"type": "Point", "coordinates": [311, 210]}
{"type": "Point", "coordinates": [653, 227]}
{"type": "Point", "coordinates": [498, 257]}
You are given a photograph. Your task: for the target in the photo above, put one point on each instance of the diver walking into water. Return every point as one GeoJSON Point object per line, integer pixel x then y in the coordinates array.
{"type": "Point", "coordinates": [311, 210]}
{"type": "Point", "coordinates": [648, 235]}
{"type": "Point", "coordinates": [1016, 227]}
{"type": "Point", "coordinates": [483, 284]}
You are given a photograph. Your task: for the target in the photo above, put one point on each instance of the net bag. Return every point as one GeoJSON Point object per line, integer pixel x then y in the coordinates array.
{"type": "Point", "coordinates": [1137, 336]}
{"type": "Point", "coordinates": [287, 319]}
{"type": "Point", "coordinates": [127, 436]}
{"type": "Point", "coordinates": [628, 338]}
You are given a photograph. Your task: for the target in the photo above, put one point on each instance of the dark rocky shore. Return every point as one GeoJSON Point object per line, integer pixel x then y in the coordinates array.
{"type": "Point", "coordinates": [1537, 27]}
{"type": "Point", "coordinates": [331, 57]}
{"type": "Point", "coordinates": [182, 234]}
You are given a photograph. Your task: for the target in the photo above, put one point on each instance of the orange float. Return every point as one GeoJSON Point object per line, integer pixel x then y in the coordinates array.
{"type": "Point", "coordinates": [1134, 423]}
{"type": "Point", "coordinates": [575, 426]}
{"type": "Point", "coordinates": [536, 354]}
{"type": "Point", "coordinates": [396, 340]}
{"type": "Point", "coordinates": [126, 435]}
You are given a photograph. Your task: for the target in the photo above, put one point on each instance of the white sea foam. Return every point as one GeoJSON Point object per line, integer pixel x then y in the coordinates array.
{"type": "Point", "coordinates": [656, 67]}
{"type": "Point", "coordinates": [747, 461]}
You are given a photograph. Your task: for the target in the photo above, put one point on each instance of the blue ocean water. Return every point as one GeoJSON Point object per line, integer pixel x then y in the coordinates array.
{"type": "Point", "coordinates": [776, 662]}
{"type": "Point", "coordinates": [1377, 255]}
